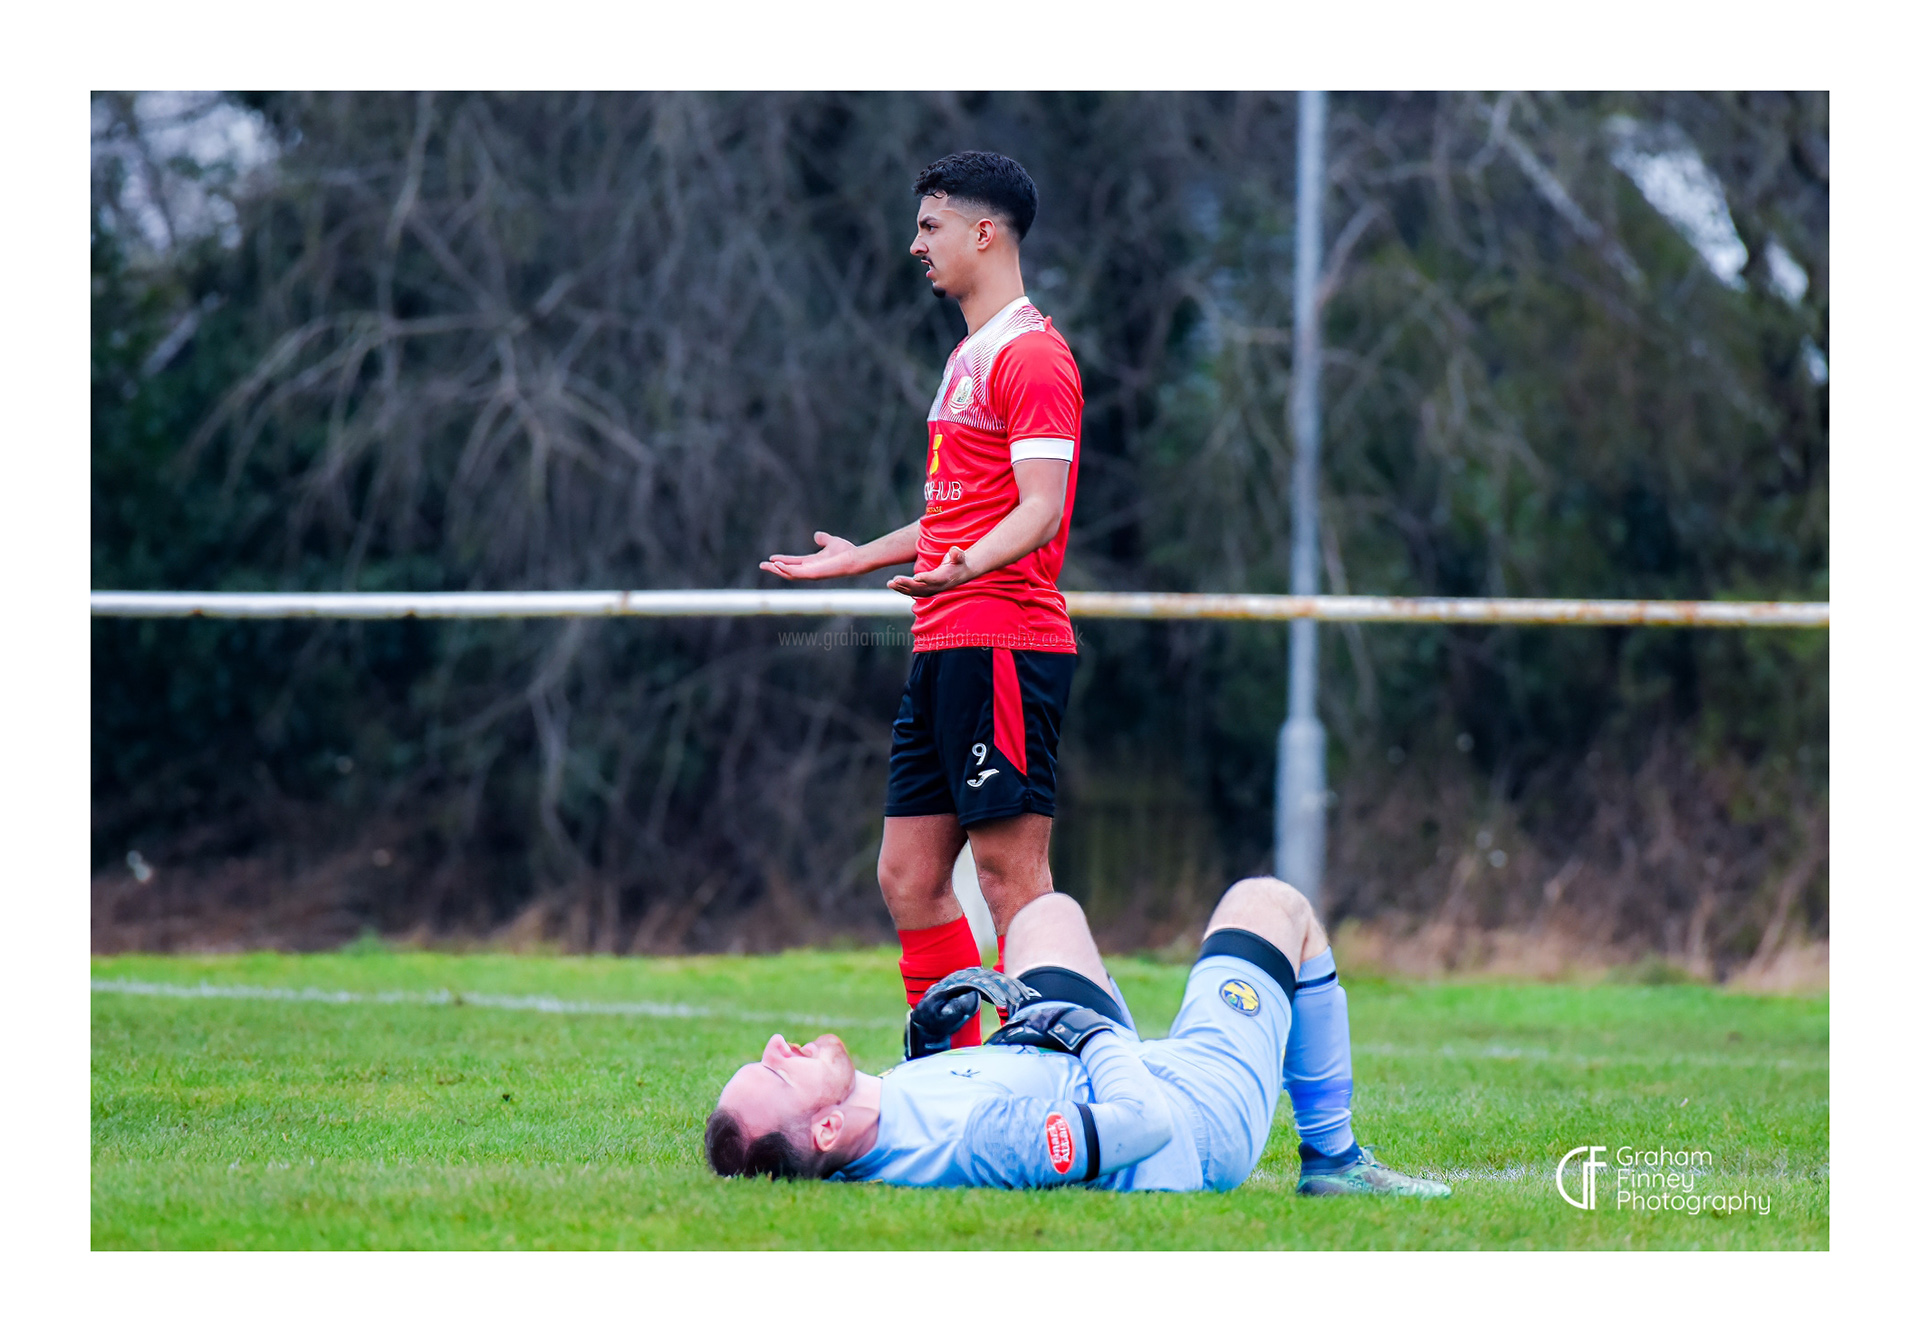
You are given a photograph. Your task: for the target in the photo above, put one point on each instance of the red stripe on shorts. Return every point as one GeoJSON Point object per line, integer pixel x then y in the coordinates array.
{"type": "Point", "coordinates": [1009, 714]}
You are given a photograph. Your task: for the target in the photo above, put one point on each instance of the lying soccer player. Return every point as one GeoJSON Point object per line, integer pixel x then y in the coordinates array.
{"type": "Point", "coordinates": [1067, 1092]}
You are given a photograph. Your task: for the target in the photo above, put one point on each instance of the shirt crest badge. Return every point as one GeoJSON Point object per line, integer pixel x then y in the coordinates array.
{"type": "Point", "coordinates": [1241, 996]}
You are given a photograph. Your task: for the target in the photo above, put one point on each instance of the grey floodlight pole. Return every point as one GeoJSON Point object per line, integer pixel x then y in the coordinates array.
{"type": "Point", "coordinates": [1300, 815]}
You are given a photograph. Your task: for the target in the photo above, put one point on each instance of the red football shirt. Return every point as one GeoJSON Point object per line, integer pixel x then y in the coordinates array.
{"type": "Point", "coordinates": [1011, 392]}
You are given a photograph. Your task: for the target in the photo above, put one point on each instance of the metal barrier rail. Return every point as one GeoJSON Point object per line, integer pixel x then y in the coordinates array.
{"type": "Point", "coordinates": [883, 603]}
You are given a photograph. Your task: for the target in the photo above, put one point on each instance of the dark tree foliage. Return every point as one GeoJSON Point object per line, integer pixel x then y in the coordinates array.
{"type": "Point", "coordinates": [581, 340]}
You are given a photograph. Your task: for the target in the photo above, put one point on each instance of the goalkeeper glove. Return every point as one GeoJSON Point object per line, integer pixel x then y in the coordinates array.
{"type": "Point", "coordinates": [955, 1000]}
{"type": "Point", "coordinates": [1059, 1026]}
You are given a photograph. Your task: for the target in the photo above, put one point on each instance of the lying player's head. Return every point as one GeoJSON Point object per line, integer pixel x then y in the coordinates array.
{"type": "Point", "coordinates": [781, 1116]}
{"type": "Point", "coordinates": [957, 193]}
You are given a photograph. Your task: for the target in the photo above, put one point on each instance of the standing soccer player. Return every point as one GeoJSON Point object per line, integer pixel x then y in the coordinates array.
{"type": "Point", "coordinates": [978, 731]}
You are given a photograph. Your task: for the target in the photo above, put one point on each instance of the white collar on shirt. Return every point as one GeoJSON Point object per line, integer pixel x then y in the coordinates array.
{"type": "Point", "coordinates": [1001, 316]}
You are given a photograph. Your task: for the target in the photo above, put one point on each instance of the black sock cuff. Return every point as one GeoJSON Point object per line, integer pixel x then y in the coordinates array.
{"type": "Point", "coordinates": [1313, 1162]}
{"type": "Point", "coordinates": [1255, 950]}
{"type": "Point", "coordinates": [1056, 983]}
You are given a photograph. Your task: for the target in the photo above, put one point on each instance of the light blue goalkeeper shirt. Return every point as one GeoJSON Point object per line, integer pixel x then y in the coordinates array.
{"type": "Point", "coordinates": [1021, 1117]}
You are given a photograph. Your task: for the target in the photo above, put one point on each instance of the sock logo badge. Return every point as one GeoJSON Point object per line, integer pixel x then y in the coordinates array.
{"type": "Point", "coordinates": [1059, 1143]}
{"type": "Point", "coordinates": [1241, 996]}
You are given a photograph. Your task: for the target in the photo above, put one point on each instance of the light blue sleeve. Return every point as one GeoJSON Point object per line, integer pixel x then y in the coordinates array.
{"type": "Point", "coordinates": [1130, 1113]}
{"type": "Point", "coordinates": [1024, 1142]}
{"type": "Point", "coordinates": [1030, 1142]}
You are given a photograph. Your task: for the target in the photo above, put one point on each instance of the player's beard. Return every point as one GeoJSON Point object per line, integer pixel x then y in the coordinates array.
{"type": "Point", "coordinates": [840, 1064]}
{"type": "Point", "coordinates": [939, 292]}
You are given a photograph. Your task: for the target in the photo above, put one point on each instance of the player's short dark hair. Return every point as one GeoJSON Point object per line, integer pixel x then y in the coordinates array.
{"type": "Point", "coordinates": [992, 181]}
{"type": "Point", "coordinates": [732, 1154]}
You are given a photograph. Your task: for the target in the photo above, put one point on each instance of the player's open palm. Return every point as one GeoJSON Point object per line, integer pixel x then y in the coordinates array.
{"type": "Point", "coordinates": [834, 559]}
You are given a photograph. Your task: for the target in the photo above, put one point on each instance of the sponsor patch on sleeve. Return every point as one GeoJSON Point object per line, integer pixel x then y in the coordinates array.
{"type": "Point", "coordinates": [1059, 1143]}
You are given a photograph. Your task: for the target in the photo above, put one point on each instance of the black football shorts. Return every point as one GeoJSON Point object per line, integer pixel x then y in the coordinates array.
{"type": "Point", "coordinates": [978, 733]}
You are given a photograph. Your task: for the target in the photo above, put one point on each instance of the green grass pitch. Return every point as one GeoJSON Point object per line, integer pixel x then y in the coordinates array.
{"type": "Point", "coordinates": [432, 1121]}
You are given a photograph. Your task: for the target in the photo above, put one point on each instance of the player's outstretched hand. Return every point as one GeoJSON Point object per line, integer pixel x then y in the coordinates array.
{"type": "Point", "coordinates": [954, 1000]}
{"type": "Point", "coordinates": [1056, 1025]}
{"type": "Point", "coordinates": [834, 559]}
{"type": "Point", "coordinates": [951, 572]}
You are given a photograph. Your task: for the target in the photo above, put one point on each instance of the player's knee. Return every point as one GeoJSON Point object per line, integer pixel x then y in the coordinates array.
{"type": "Point", "coordinates": [1054, 913]}
{"type": "Point", "coordinates": [1269, 892]}
{"type": "Point", "coordinates": [1265, 905]}
{"type": "Point", "coordinates": [1007, 869]}
{"type": "Point", "coordinates": [1009, 888]}
{"type": "Point", "coordinates": [1052, 930]}
{"type": "Point", "coordinates": [909, 877]}
{"type": "Point", "coordinates": [891, 870]}
{"type": "Point", "coordinates": [914, 896]}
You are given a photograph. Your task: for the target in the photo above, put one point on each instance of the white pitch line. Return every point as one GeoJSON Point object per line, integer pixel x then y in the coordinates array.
{"type": "Point", "coordinates": [444, 997]}
{"type": "Point", "coordinates": [682, 1010]}
{"type": "Point", "coordinates": [1506, 1174]}
{"type": "Point", "coordinates": [1464, 1174]}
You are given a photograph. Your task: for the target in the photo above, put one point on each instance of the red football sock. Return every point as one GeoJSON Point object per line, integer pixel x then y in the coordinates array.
{"type": "Point", "coordinates": [1000, 966]}
{"type": "Point", "coordinates": [929, 954]}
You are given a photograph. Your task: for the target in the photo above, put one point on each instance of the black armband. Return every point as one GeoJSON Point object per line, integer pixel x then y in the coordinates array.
{"type": "Point", "coordinates": [1093, 1141]}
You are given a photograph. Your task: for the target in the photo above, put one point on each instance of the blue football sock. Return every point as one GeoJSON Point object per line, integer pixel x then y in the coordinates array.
{"type": "Point", "coordinates": [1319, 1063]}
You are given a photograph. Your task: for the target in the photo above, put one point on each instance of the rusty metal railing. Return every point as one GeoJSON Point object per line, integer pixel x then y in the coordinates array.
{"type": "Point", "coordinates": [807, 602]}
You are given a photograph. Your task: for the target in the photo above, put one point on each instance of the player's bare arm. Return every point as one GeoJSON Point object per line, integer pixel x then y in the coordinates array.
{"type": "Point", "coordinates": [841, 558]}
{"type": "Point", "coordinates": [1034, 521]}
